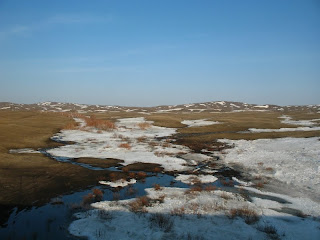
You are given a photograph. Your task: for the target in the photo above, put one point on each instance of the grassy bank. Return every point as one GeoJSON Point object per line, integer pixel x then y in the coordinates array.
{"type": "Point", "coordinates": [29, 178]}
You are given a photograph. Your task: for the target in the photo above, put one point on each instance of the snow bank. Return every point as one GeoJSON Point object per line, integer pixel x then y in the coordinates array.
{"type": "Point", "coordinates": [183, 215]}
{"type": "Point", "coordinates": [295, 161]}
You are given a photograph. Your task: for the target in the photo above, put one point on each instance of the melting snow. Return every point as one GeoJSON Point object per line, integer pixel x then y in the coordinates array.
{"type": "Point", "coordinates": [298, 129]}
{"type": "Point", "coordinates": [198, 123]}
{"type": "Point", "coordinates": [192, 179]}
{"type": "Point", "coordinates": [292, 160]}
{"type": "Point", "coordinates": [183, 215]}
{"type": "Point", "coordinates": [288, 120]}
{"type": "Point", "coordinates": [106, 144]}
{"type": "Point", "coordinates": [118, 183]}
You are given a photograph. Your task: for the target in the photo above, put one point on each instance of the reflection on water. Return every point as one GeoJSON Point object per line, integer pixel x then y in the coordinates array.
{"type": "Point", "coordinates": [51, 221]}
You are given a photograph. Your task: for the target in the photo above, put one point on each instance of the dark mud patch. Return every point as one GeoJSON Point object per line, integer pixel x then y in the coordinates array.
{"type": "Point", "coordinates": [101, 163]}
{"type": "Point", "coordinates": [199, 146]}
{"type": "Point", "coordinates": [228, 172]}
{"type": "Point", "coordinates": [148, 167]}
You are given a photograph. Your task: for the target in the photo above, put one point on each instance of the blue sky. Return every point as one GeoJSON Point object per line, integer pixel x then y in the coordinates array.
{"type": "Point", "coordinates": [147, 53]}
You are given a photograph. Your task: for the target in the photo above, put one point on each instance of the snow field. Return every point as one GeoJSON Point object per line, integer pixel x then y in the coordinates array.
{"type": "Point", "coordinates": [295, 161]}
{"type": "Point", "coordinates": [201, 215]}
{"type": "Point", "coordinates": [128, 142]}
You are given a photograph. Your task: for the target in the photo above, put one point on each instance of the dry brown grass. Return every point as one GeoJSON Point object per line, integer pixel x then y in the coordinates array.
{"type": "Point", "coordinates": [71, 126]}
{"type": "Point", "coordinates": [210, 188]}
{"type": "Point", "coordinates": [157, 170]}
{"type": "Point", "coordinates": [141, 139]}
{"type": "Point", "coordinates": [95, 196]}
{"type": "Point", "coordinates": [125, 169]}
{"type": "Point", "coordinates": [163, 153]}
{"type": "Point", "coordinates": [177, 211]}
{"type": "Point", "coordinates": [157, 187]}
{"type": "Point", "coordinates": [132, 175]}
{"type": "Point", "coordinates": [259, 185]}
{"type": "Point", "coordinates": [227, 183]}
{"type": "Point", "coordinates": [98, 194]}
{"type": "Point", "coordinates": [194, 190]}
{"type": "Point", "coordinates": [139, 204]}
{"type": "Point", "coordinates": [144, 125]}
{"type": "Point", "coordinates": [125, 145]}
{"type": "Point", "coordinates": [27, 178]}
{"type": "Point", "coordinates": [249, 215]}
{"type": "Point", "coordinates": [141, 175]}
{"type": "Point", "coordinates": [100, 124]}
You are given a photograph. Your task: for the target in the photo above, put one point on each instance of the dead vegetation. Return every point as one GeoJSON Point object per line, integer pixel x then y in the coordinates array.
{"type": "Point", "coordinates": [178, 211]}
{"type": "Point", "coordinates": [125, 145]}
{"type": "Point", "coordinates": [157, 187]}
{"type": "Point", "coordinates": [200, 188]}
{"type": "Point", "coordinates": [144, 125]}
{"type": "Point", "coordinates": [27, 178]}
{"type": "Point", "coordinates": [249, 215]}
{"type": "Point", "coordinates": [139, 204]}
{"type": "Point", "coordinates": [95, 196]}
{"type": "Point", "coordinates": [100, 124]}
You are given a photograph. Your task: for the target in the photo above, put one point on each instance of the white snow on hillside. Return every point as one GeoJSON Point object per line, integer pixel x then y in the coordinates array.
{"type": "Point", "coordinates": [288, 120]}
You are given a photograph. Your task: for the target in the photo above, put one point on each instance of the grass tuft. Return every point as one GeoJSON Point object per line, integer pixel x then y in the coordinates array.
{"type": "Point", "coordinates": [178, 211]}
{"type": "Point", "coordinates": [139, 204]}
{"type": "Point", "coordinates": [100, 124]}
{"type": "Point", "coordinates": [144, 125]}
{"type": "Point", "coordinates": [125, 145]}
{"type": "Point", "coordinates": [157, 187]}
{"type": "Point", "coordinates": [95, 196]}
{"type": "Point", "coordinates": [249, 215]}
{"type": "Point", "coordinates": [141, 175]}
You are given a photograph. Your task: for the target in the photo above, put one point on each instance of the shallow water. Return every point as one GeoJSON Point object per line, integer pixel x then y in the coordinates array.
{"type": "Point", "coordinates": [51, 221]}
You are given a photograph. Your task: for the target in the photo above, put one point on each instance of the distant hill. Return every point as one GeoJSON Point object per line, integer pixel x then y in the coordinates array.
{"type": "Point", "coordinates": [218, 106]}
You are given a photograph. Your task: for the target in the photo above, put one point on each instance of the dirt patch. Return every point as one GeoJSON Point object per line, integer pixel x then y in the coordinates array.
{"type": "Point", "coordinates": [97, 162]}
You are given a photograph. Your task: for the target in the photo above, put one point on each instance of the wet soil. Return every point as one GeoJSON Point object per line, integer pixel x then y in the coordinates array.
{"type": "Point", "coordinates": [100, 163]}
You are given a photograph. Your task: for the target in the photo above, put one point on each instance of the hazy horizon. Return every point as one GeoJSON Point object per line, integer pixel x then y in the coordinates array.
{"type": "Point", "coordinates": [148, 53]}
{"type": "Point", "coordinates": [128, 105]}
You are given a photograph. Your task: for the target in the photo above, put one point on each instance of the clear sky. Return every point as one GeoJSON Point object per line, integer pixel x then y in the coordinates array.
{"type": "Point", "coordinates": [148, 53]}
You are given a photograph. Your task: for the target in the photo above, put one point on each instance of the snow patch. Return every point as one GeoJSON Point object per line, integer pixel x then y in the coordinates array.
{"type": "Point", "coordinates": [294, 161]}
{"type": "Point", "coordinates": [118, 183]}
{"type": "Point", "coordinates": [199, 123]}
{"type": "Point", "coordinates": [192, 179]}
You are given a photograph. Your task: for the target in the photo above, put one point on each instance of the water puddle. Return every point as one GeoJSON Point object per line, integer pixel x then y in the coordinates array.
{"type": "Point", "coordinates": [52, 220]}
